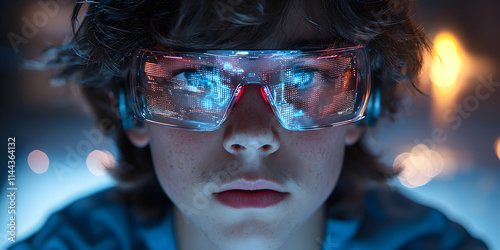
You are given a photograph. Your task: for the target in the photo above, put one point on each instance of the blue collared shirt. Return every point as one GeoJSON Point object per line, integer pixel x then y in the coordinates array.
{"type": "Point", "coordinates": [388, 221]}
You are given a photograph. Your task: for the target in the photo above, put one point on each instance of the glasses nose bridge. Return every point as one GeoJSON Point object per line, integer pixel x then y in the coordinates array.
{"type": "Point", "coordinates": [251, 70]}
{"type": "Point", "coordinates": [252, 77]}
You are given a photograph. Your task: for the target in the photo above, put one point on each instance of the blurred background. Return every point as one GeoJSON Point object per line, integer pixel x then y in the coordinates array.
{"type": "Point", "coordinates": [448, 142]}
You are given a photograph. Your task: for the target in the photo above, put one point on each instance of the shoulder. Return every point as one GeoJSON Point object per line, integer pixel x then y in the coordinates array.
{"type": "Point", "coordinates": [98, 221]}
{"type": "Point", "coordinates": [392, 221]}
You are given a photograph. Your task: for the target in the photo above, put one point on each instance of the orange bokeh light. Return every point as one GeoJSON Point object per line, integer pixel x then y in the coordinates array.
{"type": "Point", "coordinates": [419, 166]}
{"type": "Point", "coordinates": [98, 161]}
{"type": "Point", "coordinates": [447, 61]}
{"type": "Point", "coordinates": [497, 147]}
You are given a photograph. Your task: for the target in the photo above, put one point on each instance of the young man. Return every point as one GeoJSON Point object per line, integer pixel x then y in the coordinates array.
{"type": "Point", "coordinates": [248, 125]}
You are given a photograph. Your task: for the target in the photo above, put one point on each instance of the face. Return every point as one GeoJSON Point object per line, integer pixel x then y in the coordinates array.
{"type": "Point", "coordinates": [251, 147]}
{"type": "Point", "coordinates": [251, 182]}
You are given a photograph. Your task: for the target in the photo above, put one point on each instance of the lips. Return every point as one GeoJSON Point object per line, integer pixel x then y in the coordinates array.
{"type": "Point", "coordinates": [251, 194]}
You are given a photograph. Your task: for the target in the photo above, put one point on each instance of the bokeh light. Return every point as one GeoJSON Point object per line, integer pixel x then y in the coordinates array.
{"type": "Point", "coordinates": [419, 166]}
{"type": "Point", "coordinates": [497, 147]}
{"type": "Point", "coordinates": [38, 161]}
{"type": "Point", "coordinates": [98, 161]}
{"type": "Point", "coordinates": [447, 61]}
{"type": "Point", "coordinates": [449, 67]}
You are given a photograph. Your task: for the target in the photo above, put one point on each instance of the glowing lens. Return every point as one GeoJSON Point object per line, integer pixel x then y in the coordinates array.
{"type": "Point", "coordinates": [196, 91]}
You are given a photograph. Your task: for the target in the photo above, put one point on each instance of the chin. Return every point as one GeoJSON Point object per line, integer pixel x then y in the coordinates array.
{"type": "Point", "coordinates": [250, 243]}
{"type": "Point", "coordinates": [250, 234]}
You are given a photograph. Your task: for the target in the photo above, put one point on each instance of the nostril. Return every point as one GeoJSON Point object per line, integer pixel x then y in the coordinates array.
{"type": "Point", "coordinates": [237, 147]}
{"type": "Point", "coordinates": [266, 147]}
{"type": "Point", "coordinates": [248, 144]}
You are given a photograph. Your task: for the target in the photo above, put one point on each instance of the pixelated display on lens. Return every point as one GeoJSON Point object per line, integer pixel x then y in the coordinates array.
{"type": "Point", "coordinates": [197, 90]}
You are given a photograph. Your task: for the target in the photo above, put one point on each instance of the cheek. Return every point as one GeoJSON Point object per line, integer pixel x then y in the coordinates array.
{"type": "Point", "coordinates": [178, 159]}
{"type": "Point", "coordinates": [323, 154]}
{"type": "Point", "coordinates": [322, 145]}
{"type": "Point", "coordinates": [171, 176]}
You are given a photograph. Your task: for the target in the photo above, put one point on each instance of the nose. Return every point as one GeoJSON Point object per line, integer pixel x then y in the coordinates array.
{"type": "Point", "coordinates": [251, 128]}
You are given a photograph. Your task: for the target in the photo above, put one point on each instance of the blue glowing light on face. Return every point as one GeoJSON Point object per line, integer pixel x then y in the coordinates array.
{"type": "Point", "coordinates": [207, 104]}
{"type": "Point", "coordinates": [305, 91]}
{"type": "Point", "coordinates": [227, 66]}
{"type": "Point", "coordinates": [215, 95]}
{"type": "Point", "coordinates": [304, 79]}
{"type": "Point", "coordinates": [298, 113]}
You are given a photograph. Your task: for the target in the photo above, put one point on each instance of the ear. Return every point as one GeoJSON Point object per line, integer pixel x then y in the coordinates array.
{"type": "Point", "coordinates": [353, 133]}
{"type": "Point", "coordinates": [138, 136]}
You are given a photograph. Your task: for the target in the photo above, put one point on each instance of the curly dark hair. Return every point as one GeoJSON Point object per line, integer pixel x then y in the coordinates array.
{"type": "Point", "coordinates": [98, 60]}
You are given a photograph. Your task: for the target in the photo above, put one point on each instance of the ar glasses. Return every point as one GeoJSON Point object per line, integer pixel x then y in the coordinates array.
{"type": "Point", "coordinates": [197, 90]}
